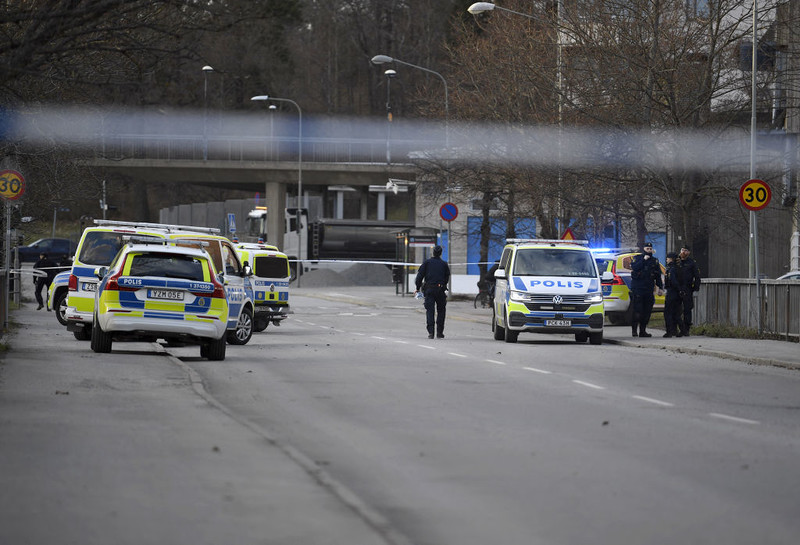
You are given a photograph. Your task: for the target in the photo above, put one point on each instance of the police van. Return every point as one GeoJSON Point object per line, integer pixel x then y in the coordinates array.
{"type": "Point", "coordinates": [271, 275]}
{"type": "Point", "coordinates": [99, 246]}
{"type": "Point", "coordinates": [548, 286]}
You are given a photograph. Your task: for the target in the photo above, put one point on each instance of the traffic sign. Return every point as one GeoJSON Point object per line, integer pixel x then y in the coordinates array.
{"type": "Point", "coordinates": [231, 223]}
{"type": "Point", "coordinates": [448, 211]}
{"type": "Point", "coordinates": [755, 194]}
{"type": "Point", "coordinates": [568, 235]}
{"type": "Point", "coordinates": [12, 184]}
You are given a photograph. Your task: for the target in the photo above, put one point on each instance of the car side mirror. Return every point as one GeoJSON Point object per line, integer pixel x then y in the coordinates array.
{"type": "Point", "coordinates": [607, 276]}
{"type": "Point", "coordinates": [101, 272]}
{"type": "Point", "coordinates": [248, 271]}
{"type": "Point", "coordinates": [500, 273]}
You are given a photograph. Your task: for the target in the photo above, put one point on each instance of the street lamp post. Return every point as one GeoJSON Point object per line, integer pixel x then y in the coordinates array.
{"type": "Point", "coordinates": [390, 75]}
{"type": "Point", "coordinates": [383, 59]}
{"type": "Point", "coordinates": [480, 7]}
{"type": "Point", "coordinates": [206, 70]}
{"type": "Point", "coordinates": [299, 172]}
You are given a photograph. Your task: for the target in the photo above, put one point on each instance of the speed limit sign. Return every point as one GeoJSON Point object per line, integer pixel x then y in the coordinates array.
{"type": "Point", "coordinates": [12, 184]}
{"type": "Point", "coordinates": [755, 194]}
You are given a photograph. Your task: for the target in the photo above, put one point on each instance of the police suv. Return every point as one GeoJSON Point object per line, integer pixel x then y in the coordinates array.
{"type": "Point", "coordinates": [271, 275]}
{"type": "Point", "coordinates": [548, 286]}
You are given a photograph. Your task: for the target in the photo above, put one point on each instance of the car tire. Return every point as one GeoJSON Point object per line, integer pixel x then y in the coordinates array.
{"type": "Point", "coordinates": [60, 306]}
{"type": "Point", "coordinates": [582, 337]}
{"type": "Point", "coordinates": [596, 338]}
{"type": "Point", "coordinates": [499, 332]}
{"type": "Point", "coordinates": [83, 334]}
{"type": "Point", "coordinates": [244, 328]}
{"type": "Point", "coordinates": [101, 341]}
{"type": "Point", "coordinates": [214, 350]}
{"type": "Point", "coordinates": [509, 335]}
{"type": "Point", "coordinates": [260, 324]}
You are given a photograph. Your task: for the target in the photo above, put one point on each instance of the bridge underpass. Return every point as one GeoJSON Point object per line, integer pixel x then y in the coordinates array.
{"type": "Point", "coordinates": [275, 179]}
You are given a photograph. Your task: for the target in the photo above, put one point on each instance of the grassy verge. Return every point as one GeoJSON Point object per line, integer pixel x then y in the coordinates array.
{"type": "Point", "coordinates": [738, 332]}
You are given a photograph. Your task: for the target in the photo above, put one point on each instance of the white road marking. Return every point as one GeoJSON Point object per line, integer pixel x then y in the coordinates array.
{"type": "Point", "coordinates": [588, 385]}
{"type": "Point", "coordinates": [734, 418]}
{"type": "Point", "coordinates": [399, 341]}
{"type": "Point", "coordinates": [496, 362]}
{"type": "Point", "coordinates": [360, 334]}
{"type": "Point", "coordinates": [542, 371]}
{"type": "Point", "coordinates": [654, 401]}
{"type": "Point", "coordinates": [379, 338]}
{"type": "Point", "coordinates": [309, 323]}
{"type": "Point", "coordinates": [457, 355]}
{"type": "Point", "coordinates": [426, 346]}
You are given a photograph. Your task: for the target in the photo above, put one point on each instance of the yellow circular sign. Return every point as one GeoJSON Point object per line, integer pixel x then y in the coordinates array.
{"type": "Point", "coordinates": [755, 194]}
{"type": "Point", "coordinates": [12, 184]}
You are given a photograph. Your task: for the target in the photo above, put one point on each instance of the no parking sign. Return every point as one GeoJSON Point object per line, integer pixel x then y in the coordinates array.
{"type": "Point", "coordinates": [448, 211]}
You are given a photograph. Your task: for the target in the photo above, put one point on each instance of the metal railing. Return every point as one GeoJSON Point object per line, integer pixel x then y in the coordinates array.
{"type": "Point", "coordinates": [733, 301]}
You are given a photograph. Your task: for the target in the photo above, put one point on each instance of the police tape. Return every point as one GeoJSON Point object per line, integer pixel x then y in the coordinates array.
{"type": "Point", "coordinates": [392, 263]}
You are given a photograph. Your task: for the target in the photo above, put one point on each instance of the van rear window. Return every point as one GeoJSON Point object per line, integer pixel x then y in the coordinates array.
{"type": "Point", "coordinates": [100, 247]}
{"type": "Point", "coordinates": [271, 267]}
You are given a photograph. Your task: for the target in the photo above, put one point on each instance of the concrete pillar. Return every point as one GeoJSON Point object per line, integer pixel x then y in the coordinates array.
{"type": "Point", "coordinates": [275, 197]}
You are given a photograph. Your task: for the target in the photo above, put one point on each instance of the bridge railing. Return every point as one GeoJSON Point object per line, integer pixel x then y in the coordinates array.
{"type": "Point", "coordinates": [316, 149]}
{"type": "Point", "coordinates": [735, 302]}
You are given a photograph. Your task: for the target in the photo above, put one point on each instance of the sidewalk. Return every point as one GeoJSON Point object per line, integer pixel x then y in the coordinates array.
{"type": "Point", "coordinates": [756, 352]}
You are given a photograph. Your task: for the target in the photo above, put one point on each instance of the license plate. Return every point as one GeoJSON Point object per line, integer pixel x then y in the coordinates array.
{"type": "Point", "coordinates": [558, 323]}
{"type": "Point", "coordinates": [169, 295]}
{"type": "Point", "coordinates": [88, 286]}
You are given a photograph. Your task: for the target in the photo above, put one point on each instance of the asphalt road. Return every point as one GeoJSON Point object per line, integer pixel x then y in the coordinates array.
{"type": "Point", "coordinates": [346, 425]}
{"type": "Point", "coordinates": [468, 440]}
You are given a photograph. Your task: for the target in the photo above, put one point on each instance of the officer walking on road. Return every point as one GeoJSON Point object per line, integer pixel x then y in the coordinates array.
{"type": "Point", "coordinates": [673, 282]}
{"type": "Point", "coordinates": [432, 278]}
{"type": "Point", "coordinates": [645, 275]}
{"type": "Point", "coordinates": [691, 284]}
{"type": "Point", "coordinates": [46, 267]}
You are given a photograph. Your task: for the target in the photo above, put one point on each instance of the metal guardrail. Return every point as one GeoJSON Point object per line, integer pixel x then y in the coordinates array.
{"type": "Point", "coordinates": [733, 301]}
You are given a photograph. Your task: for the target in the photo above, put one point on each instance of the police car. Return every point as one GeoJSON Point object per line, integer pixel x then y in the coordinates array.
{"type": "Point", "coordinates": [57, 296]}
{"type": "Point", "coordinates": [616, 290]}
{"type": "Point", "coordinates": [100, 244]}
{"type": "Point", "coordinates": [271, 275]}
{"type": "Point", "coordinates": [548, 286]}
{"type": "Point", "coordinates": [154, 289]}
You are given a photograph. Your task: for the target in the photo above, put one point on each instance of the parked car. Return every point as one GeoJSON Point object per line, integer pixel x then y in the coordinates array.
{"type": "Point", "coordinates": [55, 248]}
{"type": "Point", "coordinates": [616, 292]}
{"type": "Point", "coordinates": [793, 275]}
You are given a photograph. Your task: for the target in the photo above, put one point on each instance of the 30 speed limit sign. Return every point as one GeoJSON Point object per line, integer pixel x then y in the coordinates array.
{"type": "Point", "coordinates": [12, 184]}
{"type": "Point", "coordinates": [755, 194]}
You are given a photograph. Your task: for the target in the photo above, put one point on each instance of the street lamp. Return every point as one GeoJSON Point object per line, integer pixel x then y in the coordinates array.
{"type": "Point", "coordinates": [383, 59]}
{"type": "Point", "coordinates": [390, 75]}
{"type": "Point", "coordinates": [299, 171]}
{"type": "Point", "coordinates": [206, 70]}
{"type": "Point", "coordinates": [480, 7]}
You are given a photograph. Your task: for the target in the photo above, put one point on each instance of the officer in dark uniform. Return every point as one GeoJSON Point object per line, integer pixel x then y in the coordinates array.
{"type": "Point", "coordinates": [645, 275]}
{"type": "Point", "coordinates": [673, 282]}
{"type": "Point", "coordinates": [46, 267]}
{"type": "Point", "coordinates": [691, 284]}
{"type": "Point", "coordinates": [432, 278]}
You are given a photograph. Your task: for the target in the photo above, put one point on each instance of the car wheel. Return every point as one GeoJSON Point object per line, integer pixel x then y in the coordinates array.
{"type": "Point", "coordinates": [260, 324]}
{"type": "Point", "coordinates": [60, 307]}
{"type": "Point", "coordinates": [596, 338]}
{"type": "Point", "coordinates": [83, 334]}
{"type": "Point", "coordinates": [101, 341]}
{"type": "Point", "coordinates": [244, 328]}
{"type": "Point", "coordinates": [499, 332]}
{"type": "Point", "coordinates": [214, 350]}
{"type": "Point", "coordinates": [582, 337]}
{"type": "Point", "coordinates": [509, 335]}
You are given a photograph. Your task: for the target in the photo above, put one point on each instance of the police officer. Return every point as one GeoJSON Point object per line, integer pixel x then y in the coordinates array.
{"type": "Point", "coordinates": [691, 284]}
{"type": "Point", "coordinates": [645, 275]}
{"type": "Point", "coordinates": [432, 278]}
{"type": "Point", "coordinates": [673, 282]}
{"type": "Point", "coordinates": [46, 267]}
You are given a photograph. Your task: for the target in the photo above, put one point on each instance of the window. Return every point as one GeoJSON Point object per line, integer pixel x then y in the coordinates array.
{"type": "Point", "coordinates": [100, 247]}
{"type": "Point", "coordinates": [167, 265]}
{"type": "Point", "coordinates": [554, 262]}
{"type": "Point", "coordinates": [271, 267]}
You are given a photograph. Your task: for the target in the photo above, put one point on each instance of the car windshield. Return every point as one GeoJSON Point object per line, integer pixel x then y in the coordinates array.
{"type": "Point", "coordinates": [554, 262]}
{"type": "Point", "coordinates": [167, 265]}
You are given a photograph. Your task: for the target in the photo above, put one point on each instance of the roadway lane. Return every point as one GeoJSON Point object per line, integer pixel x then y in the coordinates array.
{"type": "Point", "coordinates": [468, 440]}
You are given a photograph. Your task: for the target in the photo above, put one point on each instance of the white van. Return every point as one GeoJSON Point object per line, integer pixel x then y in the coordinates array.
{"type": "Point", "coordinates": [271, 276]}
{"type": "Point", "coordinates": [548, 286]}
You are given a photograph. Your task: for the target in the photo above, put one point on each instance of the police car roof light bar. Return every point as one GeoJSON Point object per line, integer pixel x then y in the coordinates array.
{"type": "Point", "coordinates": [546, 241]}
{"type": "Point", "coordinates": [614, 250]}
{"type": "Point", "coordinates": [143, 239]}
{"type": "Point", "coordinates": [166, 226]}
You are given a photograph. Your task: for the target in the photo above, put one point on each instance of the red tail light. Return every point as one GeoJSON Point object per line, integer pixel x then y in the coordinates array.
{"type": "Point", "coordinates": [618, 281]}
{"type": "Point", "coordinates": [73, 283]}
{"type": "Point", "coordinates": [219, 289]}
